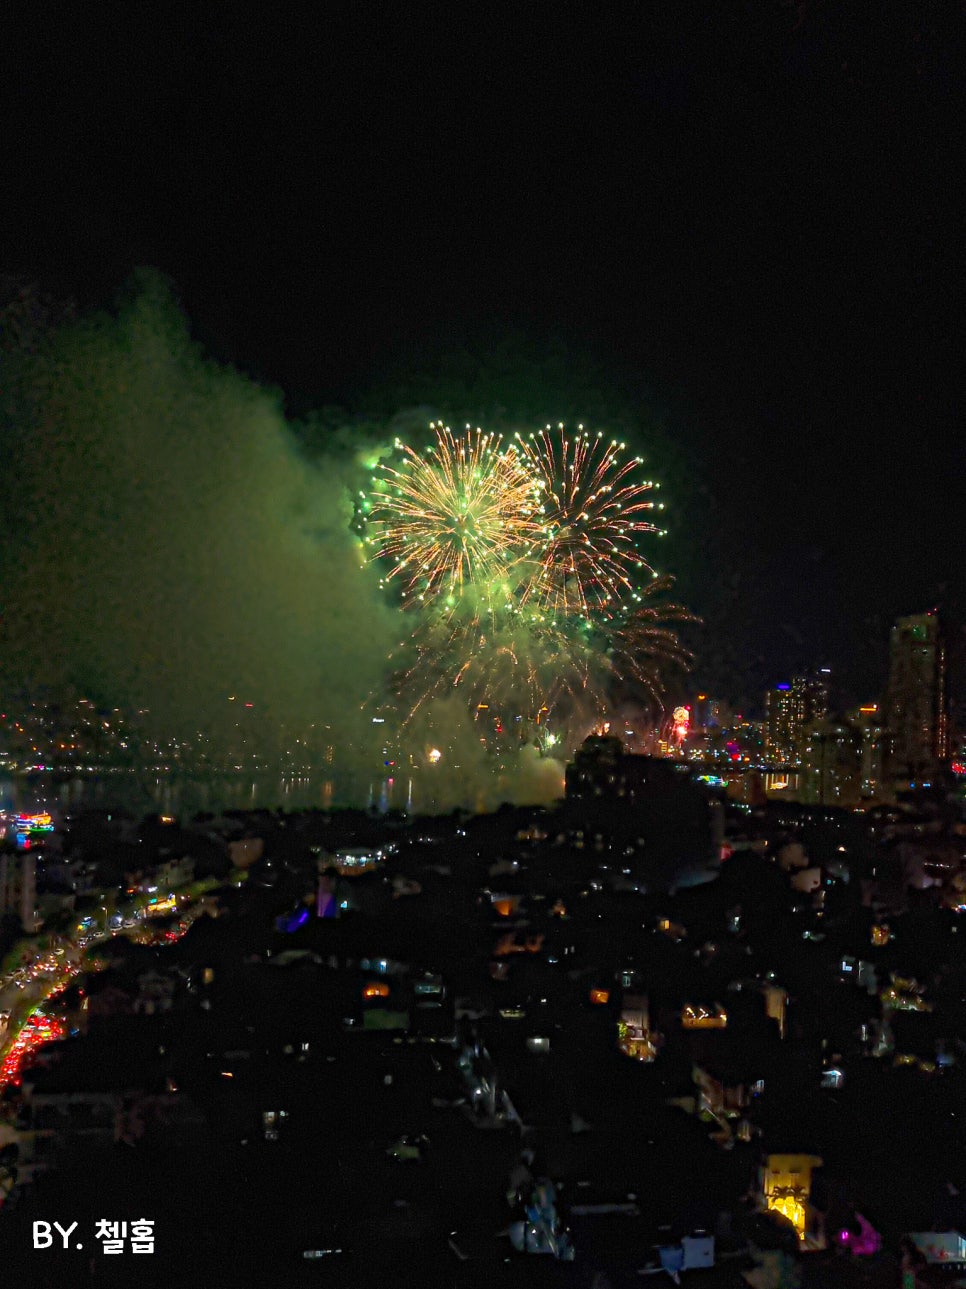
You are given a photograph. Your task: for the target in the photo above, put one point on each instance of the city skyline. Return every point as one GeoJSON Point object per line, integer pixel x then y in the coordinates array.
{"type": "Point", "coordinates": [482, 645]}
{"type": "Point", "coordinates": [834, 752]}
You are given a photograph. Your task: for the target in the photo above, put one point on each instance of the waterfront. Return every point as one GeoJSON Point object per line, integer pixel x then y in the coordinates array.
{"type": "Point", "coordinates": [182, 795]}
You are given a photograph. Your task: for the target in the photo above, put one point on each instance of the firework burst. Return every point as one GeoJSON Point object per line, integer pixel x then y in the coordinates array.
{"type": "Point", "coordinates": [521, 576]}
{"type": "Point", "coordinates": [451, 523]}
{"type": "Point", "coordinates": [593, 512]}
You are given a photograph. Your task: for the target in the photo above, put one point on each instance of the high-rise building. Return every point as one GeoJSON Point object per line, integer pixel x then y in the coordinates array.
{"type": "Point", "coordinates": [867, 720]}
{"type": "Point", "coordinates": [831, 764]}
{"type": "Point", "coordinates": [915, 708]}
{"type": "Point", "coordinates": [816, 694]}
{"type": "Point", "coordinates": [788, 709]}
{"type": "Point", "coordinates": [782, 722]}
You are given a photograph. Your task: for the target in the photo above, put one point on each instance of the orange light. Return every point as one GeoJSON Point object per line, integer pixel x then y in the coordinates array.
{"type": "Point", "coordinates": [504, 907]}
{"type": "Point", "coordinates": [506, 945]}
{"type": "Point", "coordinates": [702, 1018]}
{"type": "Point", "coordinates": [377, 989]}
{"type": "Point", "coordinates": [600, 997]}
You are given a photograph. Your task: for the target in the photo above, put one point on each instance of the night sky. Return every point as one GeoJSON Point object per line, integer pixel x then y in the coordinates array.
{"type": "Point", "coordinates": [743, 220]}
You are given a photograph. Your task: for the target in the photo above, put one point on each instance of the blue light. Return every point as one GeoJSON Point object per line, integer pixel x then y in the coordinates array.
{"type": "Point", "coordinates": [293, 921]}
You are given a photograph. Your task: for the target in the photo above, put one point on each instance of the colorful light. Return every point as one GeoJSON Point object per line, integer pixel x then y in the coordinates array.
{"type": "Point", "coordinates": [41, 822]}
{"type": "Point", "coordinates": [520, 568]}
{"type": "Point", "coordinates": [447, 520]}
{"type": "Point", "coordinates": [37, 1031]}
{"type": "Point", "coordinates": [593, 510]}
{"type": "Point", "coordinates": [791, 1207]}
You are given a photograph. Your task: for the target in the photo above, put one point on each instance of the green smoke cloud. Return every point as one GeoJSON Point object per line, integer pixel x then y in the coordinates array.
{"type": "Point", "coordinates": [163, 542]}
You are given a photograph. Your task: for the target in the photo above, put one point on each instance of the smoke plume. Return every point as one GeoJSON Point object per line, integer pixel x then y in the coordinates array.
{"type": "Point", "coordinates": [168, 546]}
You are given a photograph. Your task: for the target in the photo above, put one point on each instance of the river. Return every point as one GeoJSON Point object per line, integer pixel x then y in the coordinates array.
{"type": "Point", "coordinates": [182, 795]}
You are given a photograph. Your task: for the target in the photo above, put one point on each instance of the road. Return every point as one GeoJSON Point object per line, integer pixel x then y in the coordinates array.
{"type": "Point", "coordinates": [25, 990]}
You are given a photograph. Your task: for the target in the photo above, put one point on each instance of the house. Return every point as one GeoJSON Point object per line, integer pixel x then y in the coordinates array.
{"type": "Point", "coordinates": [786, 1188]}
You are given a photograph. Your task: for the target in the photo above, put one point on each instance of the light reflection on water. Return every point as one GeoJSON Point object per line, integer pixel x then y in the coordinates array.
{"type": "Point", "coordinates": [169, 794]}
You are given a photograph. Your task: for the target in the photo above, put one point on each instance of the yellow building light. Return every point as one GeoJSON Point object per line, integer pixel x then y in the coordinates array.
{"type": "Point", "coordinates": [787, 1185]}
{"type": "Point", "coordinates": [704, 1018]}
{"type": "Point", "coordinates": [792, 1208]}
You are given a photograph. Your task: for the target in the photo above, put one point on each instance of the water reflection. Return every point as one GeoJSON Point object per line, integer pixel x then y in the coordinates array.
{"type": "Point", "coordinates": [179, 795]}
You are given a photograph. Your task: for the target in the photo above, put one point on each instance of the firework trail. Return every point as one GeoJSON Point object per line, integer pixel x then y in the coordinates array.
{"type": "Point", "coordinates": [594, 511]}
{"type": "Point", "coordinates": [520, 574]}
{"type": "Point", "coordinates": [644, 645]}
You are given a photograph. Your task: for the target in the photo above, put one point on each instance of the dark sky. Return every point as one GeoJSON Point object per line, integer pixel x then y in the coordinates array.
{"type": "Point", "coordinates": [748, 214]}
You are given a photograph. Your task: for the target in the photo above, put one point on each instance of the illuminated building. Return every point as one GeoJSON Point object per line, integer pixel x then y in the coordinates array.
{"type": "Point", "coordinates": [868, 723]}
{"type": "Point", "coordinates": [915, 708]}
{"type": "Point", "coordinates": [161, 905]}
{"type": "Point", "coordinates": [788, 709]}
{"type": "Point", "coordinates": [635, 1037]}
{"type": "Point", "coordinates": [776, 1002]}
{"type": "Point", "coordinates": [787, 1185]}
{"type": "Point", "coordinates": [782, 721]}
{"type": "Point", "coordinates": [831, 764]}
{"type": "Point", "coordinates": [700, 1017]}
